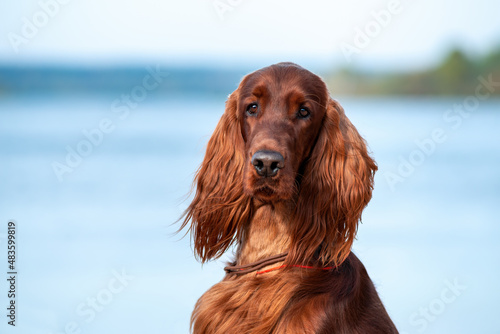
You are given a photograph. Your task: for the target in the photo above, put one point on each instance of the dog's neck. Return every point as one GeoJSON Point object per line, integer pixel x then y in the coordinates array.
{"type": "Point", "coordinates": [266, 234]}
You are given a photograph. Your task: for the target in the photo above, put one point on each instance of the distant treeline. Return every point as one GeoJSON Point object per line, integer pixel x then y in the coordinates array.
{"type": "Point", "coordinates": [155, 80]}
{"type": "Point", "coordinates": [457, 74]}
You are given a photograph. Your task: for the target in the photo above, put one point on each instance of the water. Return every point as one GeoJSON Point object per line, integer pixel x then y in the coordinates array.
{"type": "Point", "coordinates": [96, 245]}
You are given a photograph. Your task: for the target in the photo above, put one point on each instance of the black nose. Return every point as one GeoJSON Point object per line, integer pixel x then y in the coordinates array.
{"type": "Point", "coordinates": [267, 163]}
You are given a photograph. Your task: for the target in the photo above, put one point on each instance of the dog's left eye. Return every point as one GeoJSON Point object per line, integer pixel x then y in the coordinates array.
{"type": "Point", "coordinates": [303, 112]}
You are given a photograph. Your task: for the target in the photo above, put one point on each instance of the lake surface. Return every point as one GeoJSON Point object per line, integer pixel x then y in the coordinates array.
{"type": "Point", "coordinates": [95, 190]}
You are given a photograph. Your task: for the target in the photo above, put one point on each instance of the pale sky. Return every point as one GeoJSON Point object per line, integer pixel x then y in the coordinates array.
{"type": "Point", "coordinates": [415, 33]}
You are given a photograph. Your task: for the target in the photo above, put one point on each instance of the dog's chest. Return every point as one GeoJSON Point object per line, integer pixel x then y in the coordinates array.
{"type": "Point", "coordinates": [256, 305]}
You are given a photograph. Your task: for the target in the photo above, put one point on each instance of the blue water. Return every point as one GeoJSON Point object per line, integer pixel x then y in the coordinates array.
{"type": "Point", "coordinates": [429, 239]}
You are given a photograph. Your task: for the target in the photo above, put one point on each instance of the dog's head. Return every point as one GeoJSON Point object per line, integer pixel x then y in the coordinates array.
{"type": "Point", "coordinates": [282, 138]}
{"type": "Point", "coordinates": [280, 110]}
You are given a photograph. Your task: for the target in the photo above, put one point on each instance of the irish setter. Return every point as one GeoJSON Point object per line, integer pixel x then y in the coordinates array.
{"type": "Point", "coordinates": [285, 179]}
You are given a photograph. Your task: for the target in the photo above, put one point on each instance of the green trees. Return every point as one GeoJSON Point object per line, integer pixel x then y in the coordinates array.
{"type": "Point", "coordinates": [457, 74]}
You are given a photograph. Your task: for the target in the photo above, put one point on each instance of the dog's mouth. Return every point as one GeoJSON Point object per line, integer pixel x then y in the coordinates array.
{"type": "Point", "coordinates": [265, 193]}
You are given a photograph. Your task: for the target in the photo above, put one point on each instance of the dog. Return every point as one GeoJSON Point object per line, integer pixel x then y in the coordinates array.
{"type": "Point", "coordinates": [285, 179]}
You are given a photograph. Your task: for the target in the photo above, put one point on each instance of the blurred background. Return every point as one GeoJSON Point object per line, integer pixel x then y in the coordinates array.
{"type": "Point", "coordinates": [106, 107]}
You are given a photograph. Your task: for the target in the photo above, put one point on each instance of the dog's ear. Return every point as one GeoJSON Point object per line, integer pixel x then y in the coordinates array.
{"type": "Point", "coordinates": [336, 186]}
{"type": "Point", "coordinates": [219, 206]}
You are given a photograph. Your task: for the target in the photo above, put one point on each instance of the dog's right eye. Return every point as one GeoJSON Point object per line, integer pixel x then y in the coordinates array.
{"type": "Point", "coordinates": [252, 109]}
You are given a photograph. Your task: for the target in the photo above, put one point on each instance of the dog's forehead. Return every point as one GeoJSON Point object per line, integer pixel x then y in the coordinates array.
{"type": "Point", "coordinates": [280, 78]}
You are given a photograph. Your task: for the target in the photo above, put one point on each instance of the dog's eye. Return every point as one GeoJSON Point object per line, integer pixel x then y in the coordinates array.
{"type": "Point", "coordinates": [252, 109]}
{"type": "Point", "coordinates": [303, 112]}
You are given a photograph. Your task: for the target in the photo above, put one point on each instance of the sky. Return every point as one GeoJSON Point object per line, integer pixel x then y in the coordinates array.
{"type": "Point", "coordinates": [321, 33]}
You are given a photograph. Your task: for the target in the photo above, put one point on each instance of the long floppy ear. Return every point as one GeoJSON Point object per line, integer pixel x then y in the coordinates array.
{"type": "Point", "coordinates": [219, 206]}
{"type": "Point", "coordinates": [336, 186]}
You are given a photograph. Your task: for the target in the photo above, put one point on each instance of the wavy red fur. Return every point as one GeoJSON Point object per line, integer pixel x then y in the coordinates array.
{"type": "Point", "coordinates": [285, 171]}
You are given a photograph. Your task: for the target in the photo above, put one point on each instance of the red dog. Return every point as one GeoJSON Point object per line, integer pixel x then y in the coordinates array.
{"type": "Point", "coordinates": [285, 177]}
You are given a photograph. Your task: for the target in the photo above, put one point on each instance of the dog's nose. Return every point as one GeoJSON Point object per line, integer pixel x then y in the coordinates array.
{"type": "Point", "coordinates": [267, 163]}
